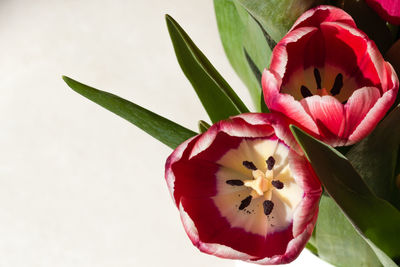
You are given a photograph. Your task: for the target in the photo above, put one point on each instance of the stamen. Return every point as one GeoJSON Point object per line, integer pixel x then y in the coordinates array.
{"type": "Point", "coordinates": [337, 85]}
{"type": "Point", "coordinates": [268, 206]}
{"type": "Point", "coordinates": [249, 165]}
{"type": "Point", "coordinates": [277, 184]}
{"type": "Point", "coordinates": [235, 182]}
{"type": "Point", "coordinates": [317, 76]}
{"type": "Point", "coordinates": [305, 92]}
{"type": "Point", "coordinates": [270, 162]}
{"type": "Point", "coordinates": [245, 202]}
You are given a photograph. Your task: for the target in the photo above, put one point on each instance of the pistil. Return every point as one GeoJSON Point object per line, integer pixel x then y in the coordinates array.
{"type": "Point", "coordinates": [262, 185]}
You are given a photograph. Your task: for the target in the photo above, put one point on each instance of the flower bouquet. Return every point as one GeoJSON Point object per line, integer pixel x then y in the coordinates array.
{"type": "Point", "coordinates": [315, 164]}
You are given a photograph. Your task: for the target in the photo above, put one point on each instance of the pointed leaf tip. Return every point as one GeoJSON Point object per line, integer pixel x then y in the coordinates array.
{"type": "Point", "coordinates": [166, 131]}
{"type": "Point", "coordinates": [217, 97]}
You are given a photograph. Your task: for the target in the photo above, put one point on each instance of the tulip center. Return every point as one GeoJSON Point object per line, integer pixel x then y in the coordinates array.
{"type": "Point", "coordinates": [262, 185]}
{"type": "Point", "coordinates": [336, 87]}
{"type": "Point", "coordinates": [320, 81]}
{"type": "Point", "coordinates": [256, 189]}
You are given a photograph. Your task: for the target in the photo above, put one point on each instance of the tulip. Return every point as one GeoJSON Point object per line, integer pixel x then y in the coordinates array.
{"type": "Point", "coordinates": [388, 10]}
{"type": "Point", "coordinates": [329, 78]}
{"type": "Point", "coordinates": [244, 190]}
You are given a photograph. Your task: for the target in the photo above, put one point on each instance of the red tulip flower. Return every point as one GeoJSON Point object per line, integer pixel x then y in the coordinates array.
{"type": "Point", "coordinates": [329, 78]}
{"type": "Point", "coordinates": [244, 191]}
{"type": "Point", "coordinates": [388, 10]}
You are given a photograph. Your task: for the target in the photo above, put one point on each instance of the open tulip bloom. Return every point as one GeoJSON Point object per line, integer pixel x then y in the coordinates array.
{"type": "Point", "coordinates": [329, 78]}
{"type": "Point", "coordinates": [249, 186]}
{"type": "Point", "coordinates": [243, 192]}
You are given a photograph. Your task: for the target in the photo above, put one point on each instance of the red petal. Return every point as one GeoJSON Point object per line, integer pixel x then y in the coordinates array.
{"type": "Point", "coordinates": [358, 105]}
{"type": "Point", "coordinates": [352, 51]}
{"type": "Point", "coordinates": [279, 123]}
{"type": "Point", "coordinates": [174, 157]}
{"type": "Point", "coordinates": [329, 115]}
{"type": "Point", "coordinates": [392, 80]}
{"type": "Point", "coordinates": [378, 111]}
{"type": "Point", "coordinates": [295, 246]}
{"type": "Point", "coordinates": [388, 10]}
{"type": "Point", "coordinates": [316, 16]}
{"type": "Point", "coordinates": [213, 228]}
{"type": "Point", "coordinates": [209, 248]}
{"type": "Point", "coordinates": [196, 178]}
{"type": "Point", "coordinates": [288, 54]}
{"type": "Point", "coordinates": [373, 117]}
{"type": "Point", "coordinates": [284, 103]}
{"type": "Point", "coordinates": [235, 126]}
{"type": "Point", "coordinates": [307, 180]}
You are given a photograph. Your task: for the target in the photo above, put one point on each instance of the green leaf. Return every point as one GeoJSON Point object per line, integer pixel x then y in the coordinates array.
{"type": "Point", "coordinates": [384, 258]}
{"type": "Point", "coordinates": [258, 75]}
{"type": "Point", "coordinates": [375, 158]}
{"type": "Point", "coordinates": [375, 220]}
{"type": "Point", "coordinates": [277, 16]}
{"type": "Point", "coordinates": [217, 97]}
{"type": "Point", "coordinates": [312, 248]}
{"type": "Point", "coordinates": [240, 32]}
{"type": "Point", "coordinates": [337, 241]}
{"type": "Point", "coordinates": [168, 132]}
{"type": "Point", "coordinates": [203, 126]}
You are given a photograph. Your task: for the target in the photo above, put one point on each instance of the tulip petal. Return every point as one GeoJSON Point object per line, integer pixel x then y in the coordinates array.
{"type": "Point", "coordinates": [285, 48]}
{"type": "Point", "coordinates": [373, 116]}
{"type": "Point", "coordinates": [387, 9]}
{"type": "Point", "coordinates": [209, 248]}
{"type": "Point", "coordinates": [358, 106]}
{"type": "Point", "coordinates": [213, 228]}
{"type": "Point", "coordinates": [294, 246]}
{"type": "Point", "coordinates": [303, 174]}
{"type": "Point", "coordinates": [238, 127]}
{"type": "Point", "coordinates": [329, 115]}
{"type": "Point", "coordinates": [174, 157]}
{"type": "Point", "coordinates": [284, 103]}
{"type": "Point", "coordinates": [279, 124]}
{"type": "Point", "coordinates": [352, 51]}
{"type": "Point", "coordinates": [378, 111]}
{"type": "Point", "coordinates": [316, 16]}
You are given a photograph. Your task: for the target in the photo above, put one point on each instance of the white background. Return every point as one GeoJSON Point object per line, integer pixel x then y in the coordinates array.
{"type": "Point", "coordinates": [80, 186]}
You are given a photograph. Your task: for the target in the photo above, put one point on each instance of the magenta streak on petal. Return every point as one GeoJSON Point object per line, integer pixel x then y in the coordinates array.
{"type": "Point", "coordinates": [388, 10]}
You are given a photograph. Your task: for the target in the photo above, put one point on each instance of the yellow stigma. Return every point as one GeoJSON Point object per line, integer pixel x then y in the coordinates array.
{"type": "Point", "coordinates": [261, 184]}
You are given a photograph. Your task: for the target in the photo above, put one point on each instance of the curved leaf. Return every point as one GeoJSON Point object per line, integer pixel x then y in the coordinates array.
{"type": "Point", "coordinates": [258, 75]}
{"type": "Point", "coordinates": [240, 32]}
{"type": "Point", "coordinates": [375, 158]}
{"type": "Point", "coordinates": [337, 241]}
{"type": "Point", "coordinates": [375, 220]}
{"type": "Point", "coordinates": [166, 131]}
{"type": "Point", "coordinates": [217, 97]}
{"type": "Point", "coordinates": [203, 126]}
